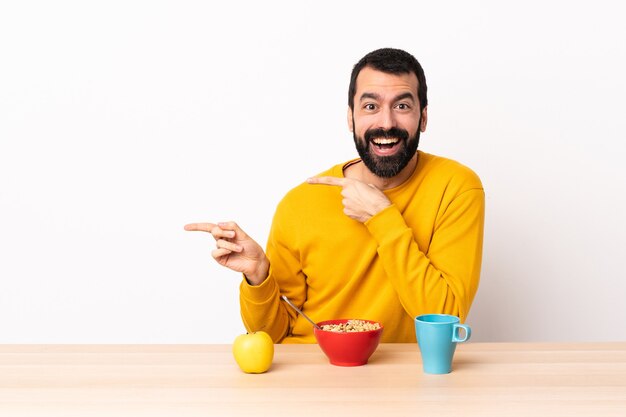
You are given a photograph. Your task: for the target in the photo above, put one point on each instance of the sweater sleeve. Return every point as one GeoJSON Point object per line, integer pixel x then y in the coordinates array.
{"type": "Point", "coordinates": [442, 278]}
{"type": "Point", "coordinates": [261, 306]}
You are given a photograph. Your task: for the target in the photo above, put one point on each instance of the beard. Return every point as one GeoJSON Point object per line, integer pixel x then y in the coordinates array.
{"type": "Point", "coordinates": [387, 166]}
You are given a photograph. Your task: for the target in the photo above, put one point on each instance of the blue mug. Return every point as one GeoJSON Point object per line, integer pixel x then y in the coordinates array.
{"type": "Point", "coordinates": [437, 336]}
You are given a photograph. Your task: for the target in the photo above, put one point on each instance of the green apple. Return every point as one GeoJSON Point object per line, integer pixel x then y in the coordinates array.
{"type": "Point", "coordinates": [254, 352]}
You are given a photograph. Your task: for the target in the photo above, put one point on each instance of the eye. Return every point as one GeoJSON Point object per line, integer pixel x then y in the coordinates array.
{"type": "Point", "coordinates": [403, 106]}
{"type": "Point", "coordinates": [369, 106]}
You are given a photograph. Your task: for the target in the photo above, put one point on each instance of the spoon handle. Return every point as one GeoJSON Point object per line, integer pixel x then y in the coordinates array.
{"type": "Point", "coordinates": [300, 311]}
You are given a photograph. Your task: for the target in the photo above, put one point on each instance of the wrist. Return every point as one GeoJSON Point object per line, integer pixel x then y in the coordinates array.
{"type": "Point", "coordinates": [260, 274]}
{"type": "Point", "coordinates": [380, 207]}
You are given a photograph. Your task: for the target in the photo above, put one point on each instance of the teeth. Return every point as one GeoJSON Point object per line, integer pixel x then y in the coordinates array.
{"type": "Point", "coordinates": [384, 141]}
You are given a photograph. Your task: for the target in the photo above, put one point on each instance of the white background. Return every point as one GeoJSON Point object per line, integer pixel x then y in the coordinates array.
{"type": "Point", "coordinates": [120, 121]}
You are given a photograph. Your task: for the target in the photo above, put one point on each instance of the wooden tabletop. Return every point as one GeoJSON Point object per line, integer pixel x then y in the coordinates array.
{"type": "Point", "coordinates": [488, 379]}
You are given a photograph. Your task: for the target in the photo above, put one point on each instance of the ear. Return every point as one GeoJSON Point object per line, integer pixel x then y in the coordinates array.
{"type": "Point", "coordinates": [350, 124]}
{"type": "Point", "coordinates": [424, 119]}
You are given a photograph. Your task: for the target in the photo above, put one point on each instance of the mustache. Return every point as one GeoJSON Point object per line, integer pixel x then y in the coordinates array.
{"type": "Point", "coordinates": [394, 132]}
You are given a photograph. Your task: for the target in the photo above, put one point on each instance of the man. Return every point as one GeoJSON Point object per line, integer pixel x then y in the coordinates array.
{"type": "Point", "coordinates": [386, 237]}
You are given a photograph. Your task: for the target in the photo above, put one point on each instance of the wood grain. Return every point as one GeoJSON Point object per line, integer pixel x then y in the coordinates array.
{"type": "Point", "coordinates": [488, 379]}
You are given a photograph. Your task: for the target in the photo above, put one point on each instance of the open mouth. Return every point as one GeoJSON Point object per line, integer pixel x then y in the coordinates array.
{"type": "Point", "coordinates": [385, 146]}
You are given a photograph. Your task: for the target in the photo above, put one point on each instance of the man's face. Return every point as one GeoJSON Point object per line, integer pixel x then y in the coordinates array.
{"type": "Point", "coordinates": [386, 121]}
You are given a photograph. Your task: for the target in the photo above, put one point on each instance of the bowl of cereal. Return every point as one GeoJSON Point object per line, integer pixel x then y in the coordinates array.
{"type": "Point", "coordinates": [348, 342]}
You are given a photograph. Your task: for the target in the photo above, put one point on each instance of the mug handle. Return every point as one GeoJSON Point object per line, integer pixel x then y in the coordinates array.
{"type": "Point", "coordinates": [455, 334]}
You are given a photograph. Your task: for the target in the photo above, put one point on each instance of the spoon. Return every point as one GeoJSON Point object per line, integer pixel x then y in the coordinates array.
{"type": "Point", "coordinates": [300, 311]}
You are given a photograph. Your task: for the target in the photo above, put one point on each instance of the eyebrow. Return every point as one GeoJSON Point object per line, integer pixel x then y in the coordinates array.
{"type": "Point", "coordinates": [405, 95]}
{"type": "Point", "coordinates": [369, 95]}
{"type": "Point", "coordinates": [375, 96]}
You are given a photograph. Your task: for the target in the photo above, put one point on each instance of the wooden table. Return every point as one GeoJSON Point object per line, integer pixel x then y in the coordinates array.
{"type": "Point", "coordinates": [488, 379]}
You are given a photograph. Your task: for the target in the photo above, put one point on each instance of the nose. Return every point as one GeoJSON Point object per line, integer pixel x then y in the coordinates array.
{"type": "Point", "coordinates": [386, 119]}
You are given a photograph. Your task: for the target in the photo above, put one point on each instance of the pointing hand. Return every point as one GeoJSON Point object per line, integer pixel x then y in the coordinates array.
{"type": "Point", "coordinates": [360, 201]}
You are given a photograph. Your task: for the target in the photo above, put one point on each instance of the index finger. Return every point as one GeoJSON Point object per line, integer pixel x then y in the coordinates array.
{"type": "Point", "coordinates": [327, 181]}
{"type": "Point", "coordinates": [200, 227]}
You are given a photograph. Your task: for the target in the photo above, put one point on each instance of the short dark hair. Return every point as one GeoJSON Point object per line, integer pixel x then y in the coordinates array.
{"type": "Point", "coordinates": [391, 61]}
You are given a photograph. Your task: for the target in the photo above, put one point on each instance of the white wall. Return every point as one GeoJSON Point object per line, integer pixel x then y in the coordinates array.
{"type": "Point", "coordinates": [122, 121]}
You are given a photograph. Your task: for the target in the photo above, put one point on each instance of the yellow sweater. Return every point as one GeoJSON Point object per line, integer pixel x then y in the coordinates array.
{"type": "Point", "coordinates": [420, 255]}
